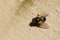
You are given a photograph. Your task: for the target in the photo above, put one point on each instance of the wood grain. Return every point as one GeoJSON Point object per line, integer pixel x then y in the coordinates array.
{"type": "Point", "coordinates": [15, 16]}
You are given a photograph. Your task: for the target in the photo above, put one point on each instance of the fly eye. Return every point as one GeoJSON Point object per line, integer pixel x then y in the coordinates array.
{"type": "Point", "coordinates": [38, 19]}
{"type": "Point", "coordinates": [43, 19]}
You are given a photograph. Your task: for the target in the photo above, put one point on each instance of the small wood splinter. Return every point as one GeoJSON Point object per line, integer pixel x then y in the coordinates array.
{"type": "Point", "coordinates": [39, 20]}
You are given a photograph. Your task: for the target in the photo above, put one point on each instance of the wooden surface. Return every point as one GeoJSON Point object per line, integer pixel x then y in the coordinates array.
{"type": "Point", "coordinates": [15, 16]}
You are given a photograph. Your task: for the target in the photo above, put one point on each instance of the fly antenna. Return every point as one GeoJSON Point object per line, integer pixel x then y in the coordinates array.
{"type": "Point", "coordinates": [46, 15]}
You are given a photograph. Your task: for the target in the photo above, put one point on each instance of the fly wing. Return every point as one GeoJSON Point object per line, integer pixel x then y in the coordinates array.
{"type": "Point", "coordinates": [44, 26]}
{"type": "Point", "coordinates": [41, 14]}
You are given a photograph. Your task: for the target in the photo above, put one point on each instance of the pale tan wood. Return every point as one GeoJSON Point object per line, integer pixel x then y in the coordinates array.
{"type": "Point", "coordinates": [15, 16]}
